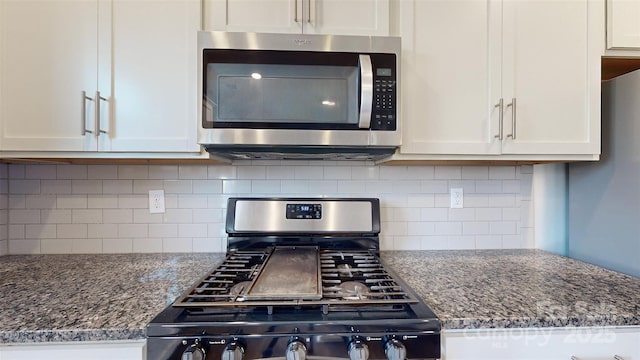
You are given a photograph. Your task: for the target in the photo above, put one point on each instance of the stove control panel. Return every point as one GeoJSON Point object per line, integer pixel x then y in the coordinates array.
{"type": "Point", "coordinates": [304, 211]}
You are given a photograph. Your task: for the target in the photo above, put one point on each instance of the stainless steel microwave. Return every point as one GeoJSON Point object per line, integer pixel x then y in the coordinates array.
{"type": "Point", "coordinates": [291, 96]}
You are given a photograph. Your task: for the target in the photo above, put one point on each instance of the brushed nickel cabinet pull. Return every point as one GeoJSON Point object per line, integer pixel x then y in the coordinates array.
{"type": "Point", "coordinates": [83, 118]}
{"type": "Point", "coordinates": [98, 119]}
{"type": "Point", "coordinates": [500, 106]}
{"type": "Point", "coordinates": [295, 11]}
{"type": "Point", "coordinates": [513, 119]}
{"type": "Point", "coordinates": [618, 357]}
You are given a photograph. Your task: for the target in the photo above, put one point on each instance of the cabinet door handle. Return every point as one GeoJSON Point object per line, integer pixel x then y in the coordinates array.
{"type": "Point", "coordinates": [295, 11]}
{"type": "Point", "coordinates": [309, 11]}
{"type": "Point", "coordinates": [98, 119]}
{"type": "Point", "coordinates": [83, 118]}
{"type": "Point", "coordinates": [500, 106]}
{"type": "Point", "coordinates": [574, 358]}
{"type": "Point", "coordinates": [618, 357]}
{"type": "Point", "coordinates": [513, 119]}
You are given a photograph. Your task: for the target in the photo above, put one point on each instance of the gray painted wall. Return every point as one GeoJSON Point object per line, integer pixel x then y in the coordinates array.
{"type": "Point", "coordinates": [604, 197]}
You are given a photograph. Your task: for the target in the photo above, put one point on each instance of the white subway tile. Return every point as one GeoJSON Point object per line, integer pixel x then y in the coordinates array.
{"type": "Point", "coordinates": [464, 214]}
{"type": "Point", "coordinates": [526, 169]}
{"type": "Point", "coordinates": [468, 186]}
{"type": "Point", "coordinates": [435, 242]}
{"type": "Point", "coordinates": [386, 243]}
{"type": "Point", "coordinates": [503, 228]}
{"type": "Point", "coordinates": [171, 201]}
{"type": "Point", "coordinates": [513, 242]}
{"type": "Point", "coordinates": [16, 171]}
{"type": "Point", "coordinates": [337, 173]}
{"type": "Point", "coordinates": [309, 172]}
{"type": "Point", "coordinates": [40, 231]}
{"type": "Point", "coordinates": [351, 187]}
{"type": "Point", "coordinates": [502, 200]}
{"type": "Point", "coordinates": [252, 172]}
{"type": "Point", "coordinates": [421, 172]}
{"type": "Point", "coordinates": [87, 246]}
{"type": "Point", "coordinates": [192, 202]}
{"type": "Point", "coordinates": [475, 172]}
{"type": "Point", "coordinates": [488, 186]}
{"type": "Point", "coordinates": [71, 172]}
{"type": "Point", "coordinates": [488, 242]}
{"type": "Point", "coordinates": [222, 172]}
{"type": "Point", "coordinates": [133, 230]}
{"type": "Point", "coordinates": [171, 245]}
{"type": "Point", "coordinates": [40, 172]}
{"type": "Point", "coordinates": [488, 214]}
{"type": "Point", "coordinates": [117, 216]}
{"type": "Point", "coordinates": [163, 230]}
{"type": "Point", "coordinates": [86, 186]}
{"type": "Point", "coordinates": [178, 216]}
{"type": "Point", "coordinates": [393, 200]}
{"type": "Point", "coordinates": [24, 246]}
{"type": "Point", "coordinates": [420, 200]}
{"type": "Point", "coordinates": [407, 243]}
{"type": "Point", "coordinates": [147, 245]}
{"type": "Point", "coordinates": [293, 187]}
{"type": "Point", "coordinates": [133, 201]}
{"type": "Point", "coordinates": [434, 214]}
{"type": "Point", "coordinates": [133, 172]}
{"type": "Point", "coordinates": [24, 216]}
{"type": "Point", "coordinates": [39, 202]}
{"type": "Point", "coordinates": [475, 228]}
{"type": "Point", "coordinates": [17, 201]}
{"type": "Point", "coordinates": [56, 216]}
{"type": "Point", "coordinates": [162, 172]}
{"type": "Point", "coordinates": [56, 246]}
{"type": "Point", "coordinates": [323, 187]}
{"type": "Point", "coordinates": [55, 187]}
{"type": "Point", "coordinates": [526, 213]}
{"type": "Point", "coordinates": [207, 215]}
{"type": "Point", "coordinates": [192, 172]}
{"type": "Point", "coordinates": [420, 228]}
{"type": "Point", "coordinates": [102, 172]}
{"type": "Point", "coordinates": [394, 172]}
{"type": "Point", "coordinates": [476, 200]}
{"type": "Point", "coordinates": [16, 232]}
{"type": "Point", "coordinates": [216, 230]}
{"type": "Point", "coordinates": [461, 243]}
{"type": "Point", "coordinates": [526, 187]}
{"type": "Point", "coordinates": [265, 186]}
{"type": "Point", "coordinates": [442, 200]}
{"type": "Point", "coordinates": [24, 186]}
{"type": "Point", "coordinates": [117, 246]}
{"type": "Point", "coordinates": [102, 202]}
{"type": "Point", "coordinates": [365, 172]}
{"type": "Point", "coordinates": [281, 172]}
{"type": "Point", "coordinates": [502, 172]}
{"type": "Point", "coordinates": [142, 216]}
{"type": "Point", "coordinates": [100, 231]}
{"type": "Point", "coordinates": [511, 214]}
{"type": "Point", "coordinates": [434, 187]}
{"type": "Point", "coordinates": [448, 172]}
{"type": "Point", "coordinates": [4, 247]}
{"type": "Point", "coordinates": [511, 186]}
{"type": "Point", "coordinates": [71, 202]}
{"type": "Point", "coordinates": [71, 231]}
{"type": "Point", "coordinates": [406, 214]}
{"type": "Point", "coordinates": [178, 186]}
{"type": "Point", "coordinates": [236, 186]}
{"type": "Point", "coordinates": [394, 228]}
{"type": "Point", "coordinates": [143, 186]}
{"type": "Point", "coordinates": [448, 228]}
{"type": "Point", "coordinates": [208, 245]}
{"type": "Point", "coordinates": [207, 186]}
{"type": "Point", "coordinates": [216, 201]}
{"type": "Point", "coordinates": [192, 230]}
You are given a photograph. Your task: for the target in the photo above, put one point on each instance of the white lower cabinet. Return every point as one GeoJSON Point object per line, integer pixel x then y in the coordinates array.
{"type": "Point", "coordinates": [585, 343]}
{"type": "Point", "coordinates": [121, 350]}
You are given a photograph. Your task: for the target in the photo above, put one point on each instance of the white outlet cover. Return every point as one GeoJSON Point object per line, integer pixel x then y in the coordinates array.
{"type": "Point", "coordinates": [457, 198]}
{"type": "Point", "coordinates": [156, 201]}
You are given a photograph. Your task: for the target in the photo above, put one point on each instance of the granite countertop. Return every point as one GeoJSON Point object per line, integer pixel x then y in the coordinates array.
{"type": "Point", "coordinates": [113, 297]}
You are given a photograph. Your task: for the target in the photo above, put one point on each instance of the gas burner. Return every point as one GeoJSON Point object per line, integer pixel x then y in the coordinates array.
{"type": "Point", "coordinates": [240, 288]}
{"type": "Point", "coordinates": [350, 290]}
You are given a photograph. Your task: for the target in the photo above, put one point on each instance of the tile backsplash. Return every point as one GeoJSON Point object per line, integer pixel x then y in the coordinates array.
{"type": "Point", "coordinates": [104, 208]}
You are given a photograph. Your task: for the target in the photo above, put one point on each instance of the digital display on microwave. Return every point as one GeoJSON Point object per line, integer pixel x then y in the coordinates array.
{"type": "Point", "coordinates": [383, 71]}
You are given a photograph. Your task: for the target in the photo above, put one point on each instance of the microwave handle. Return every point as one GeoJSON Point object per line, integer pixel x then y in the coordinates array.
{"type": "Point", "coordinates": [366, 91]}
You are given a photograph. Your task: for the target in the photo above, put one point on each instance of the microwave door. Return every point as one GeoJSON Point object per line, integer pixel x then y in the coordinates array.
{"type": "Point", "coordinates": [366, 91]}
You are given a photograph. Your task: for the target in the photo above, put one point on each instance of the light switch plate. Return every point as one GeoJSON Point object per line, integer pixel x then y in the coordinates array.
{"type": "Point", "coordinates": [457, 198]}
{"type": "Point", "coordinates": [156, 201]}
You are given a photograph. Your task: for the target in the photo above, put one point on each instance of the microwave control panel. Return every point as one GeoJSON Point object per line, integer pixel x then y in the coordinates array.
{"type": "Point", "coordinates": [383, 116]}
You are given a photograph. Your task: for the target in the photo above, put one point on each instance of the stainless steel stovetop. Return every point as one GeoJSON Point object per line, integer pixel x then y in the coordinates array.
{"type": "Point", "coordinates": [302, 279]}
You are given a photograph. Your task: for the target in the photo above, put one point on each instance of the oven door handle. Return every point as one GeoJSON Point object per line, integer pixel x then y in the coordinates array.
{"type": "Point", "coordinates": [366, 91]}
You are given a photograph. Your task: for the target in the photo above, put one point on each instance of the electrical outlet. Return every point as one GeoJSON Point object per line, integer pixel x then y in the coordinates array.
{"type": "Point", "coordinates": [156, 201]}
{"type": "Point", "coordinates": [457, 198]}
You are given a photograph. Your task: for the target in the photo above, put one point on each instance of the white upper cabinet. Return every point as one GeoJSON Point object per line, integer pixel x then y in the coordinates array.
{"type": "Point", "coordinates": [486, 78]}
{"type": "Point", "coordinates": [48, 57]}
{"type": "Point", "coordinates": [343, 17]}
{"type": "Point", "coordinates": [134, 59]}
{"type": "Point", "coordinates": [623, 24]}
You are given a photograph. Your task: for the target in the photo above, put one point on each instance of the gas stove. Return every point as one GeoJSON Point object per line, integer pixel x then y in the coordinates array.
{"type": "Point", "coordinates": [302, 279]}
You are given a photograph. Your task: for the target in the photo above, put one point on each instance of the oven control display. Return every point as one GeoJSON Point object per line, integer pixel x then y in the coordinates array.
{"type": "Point", "coordinates": [304, 211]}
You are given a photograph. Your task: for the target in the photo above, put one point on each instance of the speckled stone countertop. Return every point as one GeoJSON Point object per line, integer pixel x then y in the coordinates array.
{"type": "Point", "coordinates": [113, 297]}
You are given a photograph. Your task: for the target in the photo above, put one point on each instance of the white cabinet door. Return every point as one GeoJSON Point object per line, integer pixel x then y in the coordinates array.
{"type": "Point", "coordinates": [149, 79]}
{"type": "Point", "coordinates": [553, 73]}
{"type": "Point", "coordinates": [623, 24]}
{"type": "Point", "coordinates": [342, 17]}
{"type": "Point", "coordinates": [450, 77]}
{"type": "Point", "coordinates": [542, 344]}
{"type": "Point", "coordinates": [461, 59]}
{"type": "Point", "coordinates": [48, 57]}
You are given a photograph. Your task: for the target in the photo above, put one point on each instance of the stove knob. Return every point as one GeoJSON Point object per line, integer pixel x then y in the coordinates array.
{"type": "Point", "coordinates": [358, 350]}
{"type": "Point", "coordinates": [194, 352]}
{"type": "Point", "coordinates": [395, 350]}
{"type": "Point", "coordinates": [233, 351]}
{"type": "Point", "coordinates": [296, 350]}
